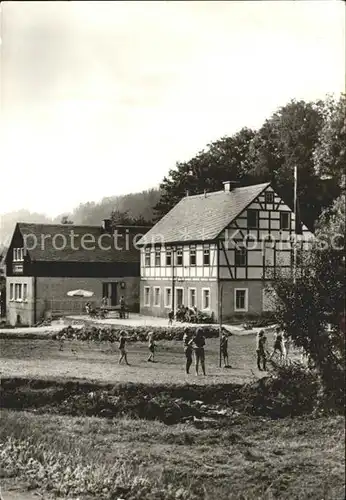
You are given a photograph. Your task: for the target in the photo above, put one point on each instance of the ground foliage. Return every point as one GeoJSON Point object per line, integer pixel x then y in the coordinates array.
{"type": "Point", "coordinates": [134, 334]}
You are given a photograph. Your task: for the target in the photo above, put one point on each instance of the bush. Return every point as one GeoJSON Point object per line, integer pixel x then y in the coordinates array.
{"type": "Point", "coordinates": [135, 334]}
{"type": "Point", "coordinates": [290, 390]}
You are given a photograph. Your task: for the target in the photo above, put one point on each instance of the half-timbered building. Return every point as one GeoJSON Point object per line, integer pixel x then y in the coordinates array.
{"type": "Point", "coordinates": [223, 247]}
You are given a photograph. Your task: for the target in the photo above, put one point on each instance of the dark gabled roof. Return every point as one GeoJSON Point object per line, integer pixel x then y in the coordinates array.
{"type": "Point", "coordinates": [202, 217]}
{"type": "Point", "coordinates": [46, 242]}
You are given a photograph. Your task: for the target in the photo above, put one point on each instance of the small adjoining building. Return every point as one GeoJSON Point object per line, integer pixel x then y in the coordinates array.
{"type": "Point", "coordinates": [220, 248]}
{"type": "Point", "coordinates": [45, 261]}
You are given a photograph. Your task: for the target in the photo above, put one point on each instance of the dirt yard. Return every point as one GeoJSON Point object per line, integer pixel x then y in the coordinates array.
{"type": "Point", "coordinates": [99, 361]}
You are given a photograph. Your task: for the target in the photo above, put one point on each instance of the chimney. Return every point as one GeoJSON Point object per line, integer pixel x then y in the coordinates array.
{"type": "Point", "coordinates": [106, 225]}
{"type": "Point", "coordinates": [230, 185]}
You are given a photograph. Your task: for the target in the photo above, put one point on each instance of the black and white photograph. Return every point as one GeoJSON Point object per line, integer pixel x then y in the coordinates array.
{"type": "Point", "coordinates": [172, 250]}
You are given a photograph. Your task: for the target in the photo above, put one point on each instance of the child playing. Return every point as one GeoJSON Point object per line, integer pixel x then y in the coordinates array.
{"type": "Point", "coordinates": [224, 348]}
{"type": "Point", "coordinates": [278, 344]}
{"type": "Point", "coordinates": [188, 340]}
{"type": "Point", "coordinates": [261, 350]}
{"type": "Point", "coordinates": [151, 345]}
{"type": "Point", "coordinates": [199, 343]}
{"type": "Point", "coordinates": [122, 342]}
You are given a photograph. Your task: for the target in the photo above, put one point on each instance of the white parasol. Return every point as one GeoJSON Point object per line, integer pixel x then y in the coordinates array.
{"type": "Point", "coordinates": [80, 293]}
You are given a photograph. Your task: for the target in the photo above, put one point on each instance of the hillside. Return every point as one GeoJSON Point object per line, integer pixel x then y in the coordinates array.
{"type": "Point", "coordinates": [135, 204]}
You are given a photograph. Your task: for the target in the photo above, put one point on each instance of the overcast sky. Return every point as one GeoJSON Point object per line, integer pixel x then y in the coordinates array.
{"type": "Point", "coordinates": [102, 98]}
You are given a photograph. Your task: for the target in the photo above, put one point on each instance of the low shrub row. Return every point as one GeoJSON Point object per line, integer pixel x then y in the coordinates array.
{"type": "Point", "coordinates": [134, 334]}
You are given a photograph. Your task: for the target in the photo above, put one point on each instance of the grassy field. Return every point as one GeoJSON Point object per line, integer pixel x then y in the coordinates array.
{"type": "Point", "coordinates": [99, 361]}
{"type": "Point", "coordinates": [252, 459]}
{"type": "Point", "coordinates": [54, 448]}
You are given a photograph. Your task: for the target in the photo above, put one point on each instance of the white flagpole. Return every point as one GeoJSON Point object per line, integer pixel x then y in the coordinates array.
{"type": "Point", "coordinates": [295, 224]}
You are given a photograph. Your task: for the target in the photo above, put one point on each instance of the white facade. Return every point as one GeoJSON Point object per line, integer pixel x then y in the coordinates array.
{"type": "Point", "coordinates": [245, 258]}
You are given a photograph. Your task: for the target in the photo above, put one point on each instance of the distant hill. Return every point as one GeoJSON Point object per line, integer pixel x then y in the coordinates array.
{"type": "Point", "coordinates": [136, 205]}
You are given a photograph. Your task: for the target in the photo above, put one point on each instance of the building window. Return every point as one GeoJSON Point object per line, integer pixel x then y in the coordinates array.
{"type": "Point", "coordinates": [157, 293]}
{"type": "Point", "coordinates": [241, 299]}
{"type": "Point", "coordinates": [168, 256]}
{"type": "Point", "coordinates": [147, 257]}
{"type": "Point", "coordinates": [206, 256]}
{"type": "Point", "coordinates": [240, 257]}
{"type": "Point", "coordinates": [179, 257]}
{"type": "Point", "coordinates": [18, 268]}
{"type": "Point", "coordinates": [168, 297]}
{"type": "Point", "coordinates": [18, 292]}
{"type": "Point", "coordinates": [179, 295]}
{"type": "Point", "coordinates": [206, 298]}
{"type": "Point", "coordinates": [11, 291]}
{"type": "Point", "coordinates": [157, 256]}
{"type": "Point", "coordinates": [284, 220]}
{"type": "Point", "coordinates": [269, 197]}
{"type": "Point", "coordinates": [147, 296]}
{"type": "Point", "coordinates": [192, 256]}
{"type": "Point", "coordinates": [18, 254]}
{"type": "Point", "coordinates": [192, 297]}
{"type": "Point", "coordinates": [252, 219]}
{"type": "Point", "coordinates": [25, 292]}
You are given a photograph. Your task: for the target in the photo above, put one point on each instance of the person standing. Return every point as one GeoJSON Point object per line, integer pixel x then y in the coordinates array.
{"type": "Point", "coordinates": [278, 344]}
{"type": "Point", "coordinates": [152, 346]}
{"type": "Point", "coordinates": [286, 346]}
{"type": "Point", "coordinates": [199, 343]}
{"type": "Point", "coordinates": [261, 343]}
{"type": "Point", "coordinates": [122, 307]}
{"type": "Point", "coordinates": [122, 343]}
{"type": "Point", "coordinates": [224, 349]}
{"type": "Point", "coordinates": [188, 340]}
{"type": "Point", "coordinates": [170, 318]}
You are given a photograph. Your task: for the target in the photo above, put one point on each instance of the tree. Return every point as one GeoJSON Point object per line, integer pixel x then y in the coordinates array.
{"type": "Point", "coordinates": [317, 298]}
{"type": "Point", "coordinates": [330, 152]}
{"type": "Point", "coordinates": [124, 219]}
{"type": "Point", "coordinates": [288, 139]}
{"type": "Point", "coordinates": [66, 220]}
{"type": "Point", "coordinates": [225, 159]}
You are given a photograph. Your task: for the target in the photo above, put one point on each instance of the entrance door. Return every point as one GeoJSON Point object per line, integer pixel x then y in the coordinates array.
{"type": "Point", "coordinates": [109, 290]}
{"type": "Point", "coordinates": [114, 295]}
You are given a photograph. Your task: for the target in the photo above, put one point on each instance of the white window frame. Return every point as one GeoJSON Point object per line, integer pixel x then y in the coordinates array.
{"type": "Point", "coordinates": [266, 194]}
{"type": "Point", "coordinates": [25, 292]}
{"type": "Point", "coordinates": [288, 220]}
{"type": "Point", "coordinates": [189, 298]}
{"type": "Point", "coordinates": [203, 291]}
{"type": "Point", "coordinates": [18, 297]}
{"type": "Point", "coordinates": [18, 254]}
{"type": "Point", "coordinates": [168, 305]}
{"type": "Point", "coordinates": [206, 251]}
{"type": "Point", "coordinates": [11, 292]}
{"type": "Point", "coordinates": [245, 254]}
{"type": "Point", "coordinates": [147, 253]}
{"type": "Point", "coordinates": [179, 253]}
{"type": "Point", "coordinates": [252, 210]}
{"type": "Point", "coordinates": [157, 252]}
{"type": "Point", "coordinates": [169, 254]}
{"type": "Point", "coordinates": [246, 290]}
{"type": "Point", "coordinates": [176, 295]}
{"type": "Point", "coordinates": [193, 249]}
{"type": "Point", "coordinates": [159, 296]}
{"type": "Point", "coordinates": [146, 303]}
